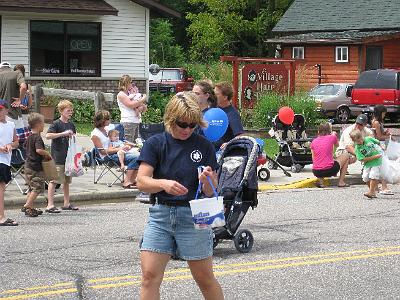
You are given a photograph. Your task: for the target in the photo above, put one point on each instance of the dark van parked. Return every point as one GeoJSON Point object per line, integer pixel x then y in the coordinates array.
{"type": "Point", "coordinates": [375, 87]}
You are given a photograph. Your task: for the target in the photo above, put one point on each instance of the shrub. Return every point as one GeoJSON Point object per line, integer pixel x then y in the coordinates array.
{"type": "Point", "coordinates": [49, 100]}
{"type": "Point", "coordinates": [268, 106]}
{"type": "Point", "coordinates": [215, 71]}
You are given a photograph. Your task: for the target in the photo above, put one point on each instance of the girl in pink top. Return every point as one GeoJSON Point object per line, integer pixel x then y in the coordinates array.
{"type": "Point", "coordinates": [322, 153]}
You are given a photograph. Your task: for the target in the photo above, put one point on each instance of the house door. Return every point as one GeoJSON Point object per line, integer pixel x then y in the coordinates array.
{"type": "Point", "coordinates": [374, 58]}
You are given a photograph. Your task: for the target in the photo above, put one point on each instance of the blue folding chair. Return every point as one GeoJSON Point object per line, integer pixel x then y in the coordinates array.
{"type": "Point", "coordinates": [17, 166]}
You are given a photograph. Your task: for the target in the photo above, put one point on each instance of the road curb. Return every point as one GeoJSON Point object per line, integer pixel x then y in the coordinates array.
{"type": "Point", "coordinates": [77, 197]}
{"type": "Point", "coordinates": [309, 183]}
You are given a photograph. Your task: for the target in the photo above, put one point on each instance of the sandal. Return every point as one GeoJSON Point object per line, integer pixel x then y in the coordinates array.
{"type": "Point", "coordinates": [319, 185]}
{"type": "Point", "coordinates": [9, 222]}
{"type": "Point", "coordinates": [130, 186]}
{"type": "Point", "coordinates": [31, 212]}
{"type": "Point", "coordinates": [53, 210]}
{"type": "Point", "coordinates": [39, 211]}
{"type": "Point", "coordinates": [370, 196]}
{"type": "Point", "coordinates": [69, 207]}
{"type": "Point", "coordinates": [344, 185]}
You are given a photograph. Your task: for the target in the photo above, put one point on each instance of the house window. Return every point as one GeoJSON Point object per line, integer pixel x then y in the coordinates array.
{"type": "Point", "coordinates": [342, 54]}
{"type": "Point", "coordinates": [65, 49]}
{"type": "Point", "coordinates": [298, 52]}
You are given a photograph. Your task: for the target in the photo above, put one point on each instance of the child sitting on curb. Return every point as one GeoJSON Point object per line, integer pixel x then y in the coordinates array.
{"type": "Point", "coordinates": [35, 154]}
{"type": "Point", "coordinates": [368, 151]}
{"type": "Point", "coordinates": [126, 148]}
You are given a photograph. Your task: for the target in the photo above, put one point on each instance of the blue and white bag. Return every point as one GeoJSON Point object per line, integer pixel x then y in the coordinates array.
{"type": "Point", "coordinates": [207, 212]}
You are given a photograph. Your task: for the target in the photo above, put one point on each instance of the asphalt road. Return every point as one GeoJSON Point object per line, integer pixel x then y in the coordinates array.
{"type": "Point", "coordinates": [309, 244]}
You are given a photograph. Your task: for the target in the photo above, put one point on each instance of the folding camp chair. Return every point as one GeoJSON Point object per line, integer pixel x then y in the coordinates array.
{"type": "Point", "coordinates": [17, 165]}
{"type": "Point", "coordinates": [106, 166]}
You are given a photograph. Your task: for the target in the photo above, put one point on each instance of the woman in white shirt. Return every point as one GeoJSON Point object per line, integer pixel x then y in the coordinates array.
{"type": "Point", "coordinates": [101, 141]}
{"type": "Point", "coordinates": [131, 106]}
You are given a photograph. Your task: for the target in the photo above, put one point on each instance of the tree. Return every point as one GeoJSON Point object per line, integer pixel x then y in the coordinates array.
{"type": "Point", "coordinates": [235, 27]}
{"type": "Point", "coordinates": [163, 48]}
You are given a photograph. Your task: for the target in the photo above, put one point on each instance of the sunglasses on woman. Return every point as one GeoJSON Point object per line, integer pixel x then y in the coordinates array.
{"type": "Point", "coordinates": [185, 125]}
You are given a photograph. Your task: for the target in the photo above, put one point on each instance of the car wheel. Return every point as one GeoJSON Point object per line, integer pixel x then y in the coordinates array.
{"type": "Point", "coordinates": [342, 115]}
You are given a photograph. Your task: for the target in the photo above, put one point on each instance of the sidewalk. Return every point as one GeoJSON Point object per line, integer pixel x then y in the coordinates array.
{"type": "Point", "coordinates": [83, 188]}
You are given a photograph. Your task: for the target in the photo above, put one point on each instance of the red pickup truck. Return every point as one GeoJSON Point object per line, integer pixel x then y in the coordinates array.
{"type": "Point", "coordinates": [375, 87]}
{"type": "Point", "coordinates": [170, 80]}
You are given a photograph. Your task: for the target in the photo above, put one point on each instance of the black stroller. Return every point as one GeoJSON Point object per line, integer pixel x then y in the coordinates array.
{"type": "Point", "coordinates": [238, 185]}
{"type": "Point", "coordinates": [294, 145]}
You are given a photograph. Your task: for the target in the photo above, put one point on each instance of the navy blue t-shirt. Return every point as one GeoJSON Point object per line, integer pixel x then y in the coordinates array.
{"type": "Point", "coordinates": [235, 126]}
{"type": "Point", "coordinates": [178, 160]}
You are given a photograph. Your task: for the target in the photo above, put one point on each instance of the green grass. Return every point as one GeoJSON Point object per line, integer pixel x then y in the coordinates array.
{"type": "Point", "coordinates": [271, 147]}
{"type": "Point", "coordinates": [84, 128]}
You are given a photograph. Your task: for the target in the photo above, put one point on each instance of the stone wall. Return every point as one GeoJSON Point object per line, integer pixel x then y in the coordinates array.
{"type": "Point", "coordinates": [91, 85]}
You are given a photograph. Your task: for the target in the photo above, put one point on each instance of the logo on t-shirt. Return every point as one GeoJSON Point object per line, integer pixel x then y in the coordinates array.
{"type": "Point", "coordinates": [196, 156]}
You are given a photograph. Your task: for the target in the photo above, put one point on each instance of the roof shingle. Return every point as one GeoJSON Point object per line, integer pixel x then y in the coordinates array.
{"type": "Point", "coordinates": [340, 15]}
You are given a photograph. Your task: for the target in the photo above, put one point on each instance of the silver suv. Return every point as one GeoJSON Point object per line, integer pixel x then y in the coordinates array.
{"type": "Point", "coordinates": [332, 101]}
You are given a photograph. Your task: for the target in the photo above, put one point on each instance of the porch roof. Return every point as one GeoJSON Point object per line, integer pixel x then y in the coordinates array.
{"type": "Point", "coordinates": [92, 7]}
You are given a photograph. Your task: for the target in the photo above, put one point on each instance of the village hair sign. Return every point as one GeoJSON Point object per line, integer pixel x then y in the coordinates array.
{"type": "Point", "coordinates": [258, 79]}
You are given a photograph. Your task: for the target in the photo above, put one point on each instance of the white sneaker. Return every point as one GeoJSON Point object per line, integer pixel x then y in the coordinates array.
{"type": "Point", "coordinates": [386, 192]}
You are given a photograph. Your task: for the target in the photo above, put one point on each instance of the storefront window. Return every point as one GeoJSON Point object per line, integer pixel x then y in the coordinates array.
{"type": "Point", "coordinates": [65, 49]}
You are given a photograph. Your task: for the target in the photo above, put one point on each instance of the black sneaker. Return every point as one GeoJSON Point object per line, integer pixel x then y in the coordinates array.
{"type": "Point", "coordinates": [31, 212]}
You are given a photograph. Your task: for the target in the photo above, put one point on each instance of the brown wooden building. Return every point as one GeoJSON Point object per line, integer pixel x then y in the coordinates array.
{"type": "Point", "coordinates": [335, 40]}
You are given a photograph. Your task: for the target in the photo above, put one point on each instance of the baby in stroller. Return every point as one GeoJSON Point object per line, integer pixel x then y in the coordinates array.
{"type": "Point", "coordinates": [294, 145]}
{"type": "Point", "coordinates": [238, 185]}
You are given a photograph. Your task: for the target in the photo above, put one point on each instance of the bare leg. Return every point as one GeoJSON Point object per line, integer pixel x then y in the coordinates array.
{"type": "Point", "coordinates": [50, 194]}
{"type": "Point", "coordinates": [121, 157]}
{"type": "Point", "coordinates": [343, 161]}
{"type": "Point", "coordinates": [2, 189]}
{"type": "Point", "coordinates": [130, 177]}
{"type": "Point", "coordinates": [66, 194]}
{"type": "Point", "coordinates": [153, 268]}
{"type": "Point", "coordinates": [202, 272]}
{"type": "Point", "coordinates": [372, 187]}
{"type": "Point", "coordinates": [30, 199]}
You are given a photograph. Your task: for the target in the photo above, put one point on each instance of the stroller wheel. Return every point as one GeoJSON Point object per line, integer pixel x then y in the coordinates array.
{"type": "Point", "coordinates": [272, 165]}
{"type": "Point", "coordinates": [243, 241]}
{"type": "Point", "coordinates": [263, 174]}
{"type": "Point", "coordinates": [296, 168]}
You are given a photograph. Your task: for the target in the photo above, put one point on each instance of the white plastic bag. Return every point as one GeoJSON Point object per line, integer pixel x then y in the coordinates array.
{"type": "Point", "coordinates": [393, 150]}
{"type": "Point", "coordinates": [390, 170]}
{"type": "Point", "coordinates": [73, 162]}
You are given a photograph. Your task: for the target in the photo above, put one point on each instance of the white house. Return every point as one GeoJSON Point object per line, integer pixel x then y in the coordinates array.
{"type": "Point", "coordinates": [83, 44]}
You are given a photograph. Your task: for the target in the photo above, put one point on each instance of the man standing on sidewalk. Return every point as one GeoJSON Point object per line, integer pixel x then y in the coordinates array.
{"type": "Point", "coordinates": [12, 90]}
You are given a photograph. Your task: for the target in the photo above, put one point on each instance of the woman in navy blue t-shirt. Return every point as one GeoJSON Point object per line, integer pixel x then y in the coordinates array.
{"type": "Point", "coordinates": [168, 169]}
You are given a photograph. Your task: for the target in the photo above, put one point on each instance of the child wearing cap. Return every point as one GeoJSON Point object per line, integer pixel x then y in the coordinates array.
{"type": "Point", "coordinates": [8, 141]}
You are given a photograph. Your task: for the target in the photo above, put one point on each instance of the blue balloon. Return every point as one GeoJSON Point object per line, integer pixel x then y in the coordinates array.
{"type": "Point", "coordinates": [217, 124]}
{"type": "Point", "coordinates": [260, 142]}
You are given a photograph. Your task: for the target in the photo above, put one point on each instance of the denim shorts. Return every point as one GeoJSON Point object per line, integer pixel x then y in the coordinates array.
{"type": "Point", "coordinates": [170, 230]}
